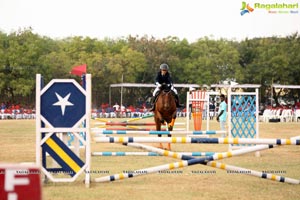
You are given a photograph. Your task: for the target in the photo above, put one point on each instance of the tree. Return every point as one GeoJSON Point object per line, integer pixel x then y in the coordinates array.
{"type": "Point", "coordinates": [213, 62]}
{"type": "Point", "coordinates": [137, 59]}
{"type": "Point", "coordinates": [22, 50]}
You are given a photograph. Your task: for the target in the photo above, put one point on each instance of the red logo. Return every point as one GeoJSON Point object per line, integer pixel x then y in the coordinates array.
{"type": "Point", "coordinates": [20, 182]}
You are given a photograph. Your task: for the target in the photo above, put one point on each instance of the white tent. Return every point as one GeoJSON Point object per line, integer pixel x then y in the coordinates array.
{"type": "Point", "coordinates": [147, 85]}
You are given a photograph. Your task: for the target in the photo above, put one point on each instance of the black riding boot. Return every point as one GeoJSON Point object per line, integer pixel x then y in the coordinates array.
{"type": "Point", "coordinates": [152, 104]}
{"type": "Point", "coordinates": [177, 101]}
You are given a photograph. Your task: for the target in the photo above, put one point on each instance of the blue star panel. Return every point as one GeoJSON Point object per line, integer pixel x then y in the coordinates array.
{"type": "Point", "coordinates": [63, 104]}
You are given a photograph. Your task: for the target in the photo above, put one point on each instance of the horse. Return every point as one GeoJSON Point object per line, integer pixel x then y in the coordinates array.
{"type": "Point", "coordinates": [165, 110]}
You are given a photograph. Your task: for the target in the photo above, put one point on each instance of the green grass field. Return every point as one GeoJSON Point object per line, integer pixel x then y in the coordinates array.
{"type": "Point", "coordinates": [17, 144]}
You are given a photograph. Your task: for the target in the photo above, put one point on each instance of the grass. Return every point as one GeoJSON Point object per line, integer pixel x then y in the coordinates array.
{"type": "Point", "coordinates": [17, 144]}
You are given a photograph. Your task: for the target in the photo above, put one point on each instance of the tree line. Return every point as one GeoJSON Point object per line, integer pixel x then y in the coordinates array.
{"type": "Point", "coordinates": [262, 61]}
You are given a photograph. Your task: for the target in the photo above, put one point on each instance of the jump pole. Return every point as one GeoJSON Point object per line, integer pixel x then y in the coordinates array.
{"type": "Point", "coordinates": [139, 118]}
{"type": "Point", "coordinates": [181, 164]}
{"type": "Point", "coordinates": [233, 169]}
{"type": "Point", "coordinates": [137, 128]}
{"type": "Point", "coordinates": [95, 130]}
{"type": "Point", "coordinates": [229, 168]}
{"type": "Point", "coordinates": [123, 132]}
{"type": "Point", "coordinates": [186, 140]}
{"type": "Point", "coordinates": [216, 156]}
{"type": "Point", "coordinates": [126, 121]}
{"type": "Point", "coordinates": [122, 153]}
{"type": "Point", "coordinates": [132, 123]}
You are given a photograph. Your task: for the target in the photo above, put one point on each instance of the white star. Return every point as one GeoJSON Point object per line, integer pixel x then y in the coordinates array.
{"type": "Point", "coordinates": [63, 102]}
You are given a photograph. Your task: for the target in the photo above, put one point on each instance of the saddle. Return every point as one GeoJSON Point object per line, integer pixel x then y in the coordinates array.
{"type": "Point", "coordinates": [164, 88]}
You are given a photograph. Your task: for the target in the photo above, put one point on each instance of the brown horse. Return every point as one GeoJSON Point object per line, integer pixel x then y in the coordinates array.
{"type": "Point", "coordinates": [165, 110]}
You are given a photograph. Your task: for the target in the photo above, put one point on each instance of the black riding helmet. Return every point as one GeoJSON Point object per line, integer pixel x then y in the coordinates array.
{"type": "Point", "coordinates": [164, 66]}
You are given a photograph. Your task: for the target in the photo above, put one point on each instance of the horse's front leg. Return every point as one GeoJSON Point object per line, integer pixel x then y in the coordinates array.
{"type": "Point", "coordinates": [171, 124]}
{"type": "Point", "coordinates": [158, 122]}
{"type": "Point", "coordinates": [170, 128]}
{"type": "Point", "coordinates": [158, 126]}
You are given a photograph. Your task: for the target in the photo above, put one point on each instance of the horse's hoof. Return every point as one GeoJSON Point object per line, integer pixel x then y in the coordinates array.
{"type": "Point", "coordinates": [169, 147]}
{"type": "Point", "coordinates": [161, 146]}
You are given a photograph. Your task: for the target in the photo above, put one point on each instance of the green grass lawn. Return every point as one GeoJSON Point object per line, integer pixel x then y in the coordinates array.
{"type": "Point", "coordinates": [17, 144]}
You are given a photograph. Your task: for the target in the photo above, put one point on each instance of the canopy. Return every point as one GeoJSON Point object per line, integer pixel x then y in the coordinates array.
{"type": "Point", "coordinates": [149, 85]}
{"type": "Point", "coordinates": [286, 86]}
{"type": "Point", "coordinates": [152, 85]}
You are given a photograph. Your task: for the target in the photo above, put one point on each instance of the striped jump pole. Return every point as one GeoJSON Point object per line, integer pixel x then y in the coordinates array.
{"type": "Point", "coordinates": [127, 124]}
{"type": "Point", "coordinates": [229, 168]}
{"type": "Point", "coordinates": [296, 137]}
{"type": "Point", "coordinates": [123, 129]}
{"type": "Point", "coordinates": [121, 153]}
{"type": "Point", "coordinates": [239, 170]}
{"type": "Point", "coordinates": [128, 120]}
{"type": "Point", "coordinates": [197, 140]}
{"type": "Point", "coordinates": [184, 163]}
{"type": "Point", "coordinates": [139, 118]}
{"type": "Point", "coordinates": [185, 157]}
{"type": "Point", "coordinates": [101, 119]}
{"type": "Point", "coordinates": [130, 128]}
{"type": "Point", "coordinates": [132, 123]}
{"type": "Point", "coordinates": [159, 151]}
{"type": "Point", "coordinates": [124, 132]}
{"type": "Point", "coordinates": [138, 128]}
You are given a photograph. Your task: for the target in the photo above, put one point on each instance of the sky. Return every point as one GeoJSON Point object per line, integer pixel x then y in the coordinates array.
{"type": "Point", "coordinates": [185, 19]}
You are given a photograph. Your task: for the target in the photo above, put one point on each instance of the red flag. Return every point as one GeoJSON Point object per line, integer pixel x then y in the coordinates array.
{"type": "Point", "coordinates": [79, 70]}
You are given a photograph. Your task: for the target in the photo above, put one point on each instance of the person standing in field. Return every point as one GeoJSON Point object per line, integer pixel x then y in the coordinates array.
{"type": "Point", "coordinates": [222, 114]}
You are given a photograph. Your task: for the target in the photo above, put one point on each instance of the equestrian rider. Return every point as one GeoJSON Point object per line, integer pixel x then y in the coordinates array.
{"type": "Point", "coordinates": [163, 77]}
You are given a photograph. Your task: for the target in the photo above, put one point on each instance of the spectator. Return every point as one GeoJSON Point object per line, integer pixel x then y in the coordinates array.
{"type": "Point", "coordinates": [212, 108]}
{"type": "Point", "coordinates": [3, 107]}
{"type": "Point", "coordinates": [116, 107]}
{"type": "Point", "coordinates": [222, 114]}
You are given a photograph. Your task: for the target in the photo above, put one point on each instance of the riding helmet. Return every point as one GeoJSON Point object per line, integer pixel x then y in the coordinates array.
{"type": "Point", "coordinates": [164, 66]}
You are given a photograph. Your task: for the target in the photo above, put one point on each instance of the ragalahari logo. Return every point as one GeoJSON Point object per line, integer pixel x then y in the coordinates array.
{"type": "Point", "coordinates": [246, 8]}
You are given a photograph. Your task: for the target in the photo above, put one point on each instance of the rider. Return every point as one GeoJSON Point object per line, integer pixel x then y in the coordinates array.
{"type": "Point", "coordinates": [163, 77]}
